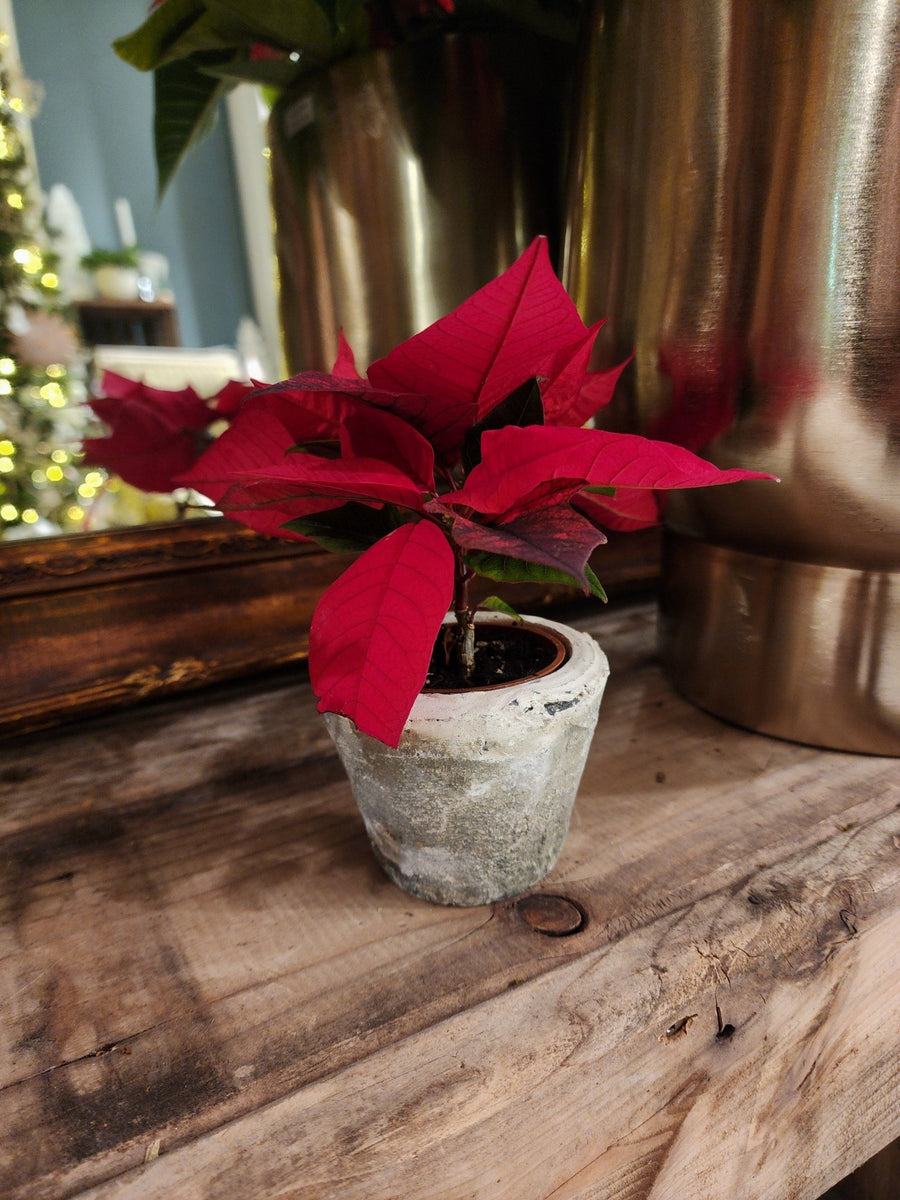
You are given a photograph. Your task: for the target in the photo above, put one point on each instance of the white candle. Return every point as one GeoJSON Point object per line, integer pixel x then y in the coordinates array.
{"type": "Point", "coordinates": [125, 222]}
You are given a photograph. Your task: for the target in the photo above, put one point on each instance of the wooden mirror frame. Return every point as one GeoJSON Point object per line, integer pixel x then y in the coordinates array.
{"type": "Point", "coordinates": [94, 621]}
{"type": "Point", "coordinates": [97, 620]}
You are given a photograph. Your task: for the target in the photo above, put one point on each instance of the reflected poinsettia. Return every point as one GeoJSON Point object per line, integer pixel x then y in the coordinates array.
{"type": "Point", "coordinates": [461, 452]}
{"type": "Point", "coordinates": [704, 381]}
{"type": "Point", "coordinates": [155, 435]}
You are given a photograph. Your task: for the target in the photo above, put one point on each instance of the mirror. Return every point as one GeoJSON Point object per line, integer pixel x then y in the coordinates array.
{"type": "Point", "coordinates": [210, 274]}
{"type": "Point", "coordinates": [97, 619]}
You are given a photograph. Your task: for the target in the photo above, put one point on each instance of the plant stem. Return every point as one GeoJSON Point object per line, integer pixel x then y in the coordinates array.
{"type": "Point", "coordinates": [465, 619]}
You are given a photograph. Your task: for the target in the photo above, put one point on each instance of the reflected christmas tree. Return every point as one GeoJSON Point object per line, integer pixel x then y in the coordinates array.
{"type": "Point", "coordinates": [43, 489]}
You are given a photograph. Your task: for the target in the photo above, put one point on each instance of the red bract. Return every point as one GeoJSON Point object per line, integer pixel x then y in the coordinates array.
{"type": "Point", "coordinates": [516, 461]}
{"type": "Point", "coordinates": [461, 452]}
{"type": "Point", "coordinates": [228, 400]}
{"type": "Point", "coordinates": [155, 435]}
{"type": "Point", "coordinates": [373, 631]}
{"type": "Point", "coordinates": [556, 537]}
{"type": "Point", "coordinates": [291, 453]}
{"type": "Point", "coordinates": [522, 326]}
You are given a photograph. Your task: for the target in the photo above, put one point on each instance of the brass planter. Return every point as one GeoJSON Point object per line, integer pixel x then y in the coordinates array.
{"type": "Point", "coordinates": [734, 214]}
{"type": "Point", "coordinates": [800, 650]}
{"type": "Point", "coordinates": [405, 179]}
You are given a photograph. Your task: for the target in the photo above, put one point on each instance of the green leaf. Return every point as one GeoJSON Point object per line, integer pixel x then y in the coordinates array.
{"type": "Point", "coordinates": [521, 407]}
{"type": "Point", "coordinates": [321, 447]}
{"type": "Point", "coordinates": [346, 13]}
{"type": "Point", "coordinates": [185, 112]}
{"type": "Point", "coordinates": [150, 45]}
{"type": "Point", "coordinates": [495, 604]}
{"type": "Point", "coordinates": [351, 528]}
{"type": "Point", "coordinates": [597, 490]}
{"type": "Point", "coordinates": [190, 30]}
{"type": "Point", "coordinates": [504, 569]}
{"type": "Point", "coordinates": [597, 588]}
{"type": "Point", "coordinates": [271, 73]}
{"type": "Point", "coordinates": [323, 30]}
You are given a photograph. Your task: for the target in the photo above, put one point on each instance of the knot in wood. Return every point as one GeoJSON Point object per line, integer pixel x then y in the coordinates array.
{"type": "Point", "coordinates": [554, 916]}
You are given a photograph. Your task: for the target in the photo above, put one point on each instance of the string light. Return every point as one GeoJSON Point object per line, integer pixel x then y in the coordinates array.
{"type": "Point", "coordinates": [38, 477]}
{"type": "Point", "coordinates": [53, 394]}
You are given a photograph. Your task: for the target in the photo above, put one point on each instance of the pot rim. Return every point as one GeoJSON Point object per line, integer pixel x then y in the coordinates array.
{"type": "Point", "coordinates": [563, 652]}
{"type": "Point", "coordinates": [585, 668]}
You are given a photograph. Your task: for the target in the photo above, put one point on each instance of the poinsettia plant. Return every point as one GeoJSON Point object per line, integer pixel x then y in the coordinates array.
{"type": "Point", "coordinates": [463, 452]}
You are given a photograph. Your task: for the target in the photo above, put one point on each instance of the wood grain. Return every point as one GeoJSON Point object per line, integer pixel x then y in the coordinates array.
{"type": "Point", "coordinates": [202, 966]}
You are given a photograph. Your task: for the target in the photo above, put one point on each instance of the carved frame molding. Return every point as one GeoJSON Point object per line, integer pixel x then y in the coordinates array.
{"type": "Point", "coordinates": [101, 620]}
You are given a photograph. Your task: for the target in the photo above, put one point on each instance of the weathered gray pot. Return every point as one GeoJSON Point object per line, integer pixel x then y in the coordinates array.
{"type": "Point", "coordinates": [474, 804]}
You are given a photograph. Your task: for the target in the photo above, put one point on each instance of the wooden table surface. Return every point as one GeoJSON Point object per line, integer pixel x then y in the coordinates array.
{"type": "Point", "coordinates": [209, 990]}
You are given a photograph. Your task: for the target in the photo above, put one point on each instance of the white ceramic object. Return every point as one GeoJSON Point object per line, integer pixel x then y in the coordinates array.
{"type": "Point", "coordinates": [116, 283]}
{"type": "Point", "coordinates": [474, 804]}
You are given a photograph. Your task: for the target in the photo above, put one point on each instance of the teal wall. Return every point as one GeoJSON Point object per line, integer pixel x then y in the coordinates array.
{"type": "Point", "coordinates": [93, 133]}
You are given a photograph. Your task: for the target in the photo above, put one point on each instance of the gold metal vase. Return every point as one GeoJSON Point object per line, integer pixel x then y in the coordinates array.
{"type": "Point", "coordinates": [734, 212]}
{"type": "Point", "coordinates": [405, 179]}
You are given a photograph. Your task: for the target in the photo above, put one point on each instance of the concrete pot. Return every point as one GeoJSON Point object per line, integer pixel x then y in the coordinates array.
{"type": "Point", "coordinates": [474, 804]}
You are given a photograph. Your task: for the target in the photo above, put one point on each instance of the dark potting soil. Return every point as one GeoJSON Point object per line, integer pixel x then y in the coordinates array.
{"type": "Point", "coordinates": [502, 655]}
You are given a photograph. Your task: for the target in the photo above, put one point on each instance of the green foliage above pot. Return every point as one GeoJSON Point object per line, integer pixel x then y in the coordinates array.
{"type": "Point", "coordinates": [110, 258]}
{"type": "Point", "coordinates": [199, 49]}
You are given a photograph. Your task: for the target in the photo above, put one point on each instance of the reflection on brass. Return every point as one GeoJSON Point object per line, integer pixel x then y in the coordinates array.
{"type": "Point", "coordinates": [831, 678]}
{"type": "Point", "coordinates": [733, 211]}
{"type": "Point", "coordinates": [405, 179]}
